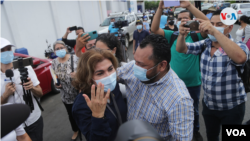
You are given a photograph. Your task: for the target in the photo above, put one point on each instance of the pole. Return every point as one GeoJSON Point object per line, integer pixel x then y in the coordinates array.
{"type": "Point", "coordinates": [198, 4]}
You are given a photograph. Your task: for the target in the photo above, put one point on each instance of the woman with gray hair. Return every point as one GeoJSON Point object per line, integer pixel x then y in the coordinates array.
{"type": "Point", "coordinates": [64, 66]}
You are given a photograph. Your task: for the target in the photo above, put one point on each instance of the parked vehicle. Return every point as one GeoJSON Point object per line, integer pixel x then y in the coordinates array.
{"type": "Point", "coordinates": [128, 31]}
{"type": "Point", "coordinates": [42, 70]}
{"type": "Point", "coordinates": [241, 8]}
{"type": "Point", "coordinates": [223, 5]}
{"type": "Point", "coordinates": [140, 15]}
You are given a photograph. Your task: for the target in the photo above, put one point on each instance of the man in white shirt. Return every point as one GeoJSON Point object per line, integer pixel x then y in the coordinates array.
{"type": "Point", "coordinates": [13, 92]}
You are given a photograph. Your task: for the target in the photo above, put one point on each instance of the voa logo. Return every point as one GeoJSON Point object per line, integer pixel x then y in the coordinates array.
{"type": "Point", "coordinates": [236, 132]}
{"type": "Point", "coordinates": [228, 16]}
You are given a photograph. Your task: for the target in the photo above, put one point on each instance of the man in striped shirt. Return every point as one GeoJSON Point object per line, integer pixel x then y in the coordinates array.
{"type": "Point", "coordinates": [155, 93]}
{"type": "Point", "coordinates": [224, 93]}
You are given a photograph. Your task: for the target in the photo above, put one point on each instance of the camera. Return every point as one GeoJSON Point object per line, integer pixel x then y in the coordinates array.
{"type": "Point", "coordinates": [193, 25]}
{"type": "Point", "coordinates": [120, 24]}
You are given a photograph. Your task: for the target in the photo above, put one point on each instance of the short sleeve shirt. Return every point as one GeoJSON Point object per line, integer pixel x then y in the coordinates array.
{"type": "Point", "coordinates": [18, 96]}
{"type": "Point", "coordinates": [186, 66]}
{"type": "Point", "coordinates": [113, 30]}
{"type": "Point", "coordinates": [63, 70]}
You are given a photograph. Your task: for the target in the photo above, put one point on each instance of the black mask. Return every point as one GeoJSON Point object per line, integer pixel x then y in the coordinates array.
{"type": "Point", "coordinates": [171, 23]}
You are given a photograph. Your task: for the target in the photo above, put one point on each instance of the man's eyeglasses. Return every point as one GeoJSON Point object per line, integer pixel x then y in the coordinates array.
{"type": "Point", "coordinates": [60, 48]}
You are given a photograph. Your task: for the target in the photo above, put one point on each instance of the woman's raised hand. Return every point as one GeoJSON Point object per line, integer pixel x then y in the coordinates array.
{"type": "Point", "coordinates": [98, 101]}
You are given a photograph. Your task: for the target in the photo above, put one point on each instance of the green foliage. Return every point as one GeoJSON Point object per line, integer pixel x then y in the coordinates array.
{"type": "Point", "coordinates": [151, 4]}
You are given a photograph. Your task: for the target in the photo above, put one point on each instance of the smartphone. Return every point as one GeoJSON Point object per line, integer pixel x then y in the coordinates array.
{"type": "Point", "coordinates": [92, 34]}
{"type": "Point", "coordinates": [193, 25]}
{"type": "Point", "coordinates": [73, 28]}
{"type": "Point", "coordinates": [171, 3]}
{"type": "Point", "coordinates": [58, 81]}
{"type": "Point", "coordinates": [25, 62]}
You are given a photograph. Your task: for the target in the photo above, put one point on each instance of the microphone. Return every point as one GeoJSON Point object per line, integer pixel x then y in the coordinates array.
{"type": "Point", "coordinates": [12, 116]}
{"type": "Point", "coordinates": [9, 73]}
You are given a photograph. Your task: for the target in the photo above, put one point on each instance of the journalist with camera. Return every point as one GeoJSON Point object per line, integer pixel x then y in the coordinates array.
{"type": "Point", "coordinates": [221, 61]}
{"type": "Point", "coordinates": [23, 88]}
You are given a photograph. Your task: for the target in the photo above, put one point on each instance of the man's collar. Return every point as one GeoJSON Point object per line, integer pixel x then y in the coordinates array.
{"type": "Point", "coordinates": [164, 79]}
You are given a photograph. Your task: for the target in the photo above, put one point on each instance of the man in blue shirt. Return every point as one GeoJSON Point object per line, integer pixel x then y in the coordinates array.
{"type": "Point", "coordinates": [163, 21]}
{"type": "Point", "coordinates": [139, 35]}
{"type": "Point", "coordinates": [112, 28]}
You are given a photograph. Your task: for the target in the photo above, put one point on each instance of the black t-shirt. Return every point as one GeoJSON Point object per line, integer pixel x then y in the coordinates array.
{"type": "Point", "coordinates": [175, 28]}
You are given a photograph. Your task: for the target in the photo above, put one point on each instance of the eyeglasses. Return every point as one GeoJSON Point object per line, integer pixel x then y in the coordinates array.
{"type": "Point", "coordinates": [60, 48]}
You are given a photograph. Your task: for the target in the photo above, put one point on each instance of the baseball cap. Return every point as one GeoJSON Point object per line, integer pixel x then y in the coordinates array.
{"type": "Point", "coordinates": [138, 21]}
{"type": "Point", "coordinates": [5, 43]}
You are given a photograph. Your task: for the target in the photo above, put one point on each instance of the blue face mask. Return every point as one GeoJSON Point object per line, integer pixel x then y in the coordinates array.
{"type": "Point", "coordinates": [178, 24]}
{"type": "Point", "coordinates": [7, 57]}
{"type": "Point", "coordinates": [61, 53]}
{"type": "Point", "coordinates": [108, 82]}
{"type": "Point", "coordinates": [139, 27]}
{"type": "Point", "coordinates": [112, 23]}
{"type": "Point", "coordinates": [221, 29]}
{"type": "Point", "coordinates": [141, 73]}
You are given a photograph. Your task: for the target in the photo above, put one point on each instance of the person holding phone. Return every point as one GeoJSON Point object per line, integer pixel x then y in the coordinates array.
{"type": "Point", "coordinates": [105, 41]}
{"type": "Point", "coordinates": [62, 68]}
{"type": "Point", "coordinates": [72, 43]}
{"type": "Point", "coordinates": [99, 109]}
{"type": "Point", "coordinates": [186, 66]}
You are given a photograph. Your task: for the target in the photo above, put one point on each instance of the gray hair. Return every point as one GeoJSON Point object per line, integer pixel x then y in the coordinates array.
{"type": "Point", "coordinates": [58, 42]}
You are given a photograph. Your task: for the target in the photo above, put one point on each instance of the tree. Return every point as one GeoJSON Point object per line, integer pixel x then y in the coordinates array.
{"type": "Point", "coordinates": [151, 4]}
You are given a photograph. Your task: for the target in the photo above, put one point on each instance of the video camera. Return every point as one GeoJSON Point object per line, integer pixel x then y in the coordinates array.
{"type": "Point", "coordinates": [120, 24]}
{"type": "Point", "coordinates": [20, 64]}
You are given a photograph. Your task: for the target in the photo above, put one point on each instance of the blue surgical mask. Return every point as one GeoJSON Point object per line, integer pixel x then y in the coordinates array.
{"type": "Point", "coordinates": [61, 53]}
{"type": "Point", "coordinates": [212, 38]}
{"type": "Point", "coordinates": [141, 73]}
{"type": "Point", "coordinates": [7, 57]}
{"type": "Point", "coordinates": [108, 82]}
{"type": "Point", "coordinates": [139, 27]}
{"type": "Point", "coordinates": [112, 23]}
{"type": "Point", "coordinates": [178, 24]}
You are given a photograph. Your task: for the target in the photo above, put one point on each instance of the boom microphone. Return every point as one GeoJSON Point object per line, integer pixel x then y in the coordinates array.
{"type": "Point", "coordinates": [12, 116]}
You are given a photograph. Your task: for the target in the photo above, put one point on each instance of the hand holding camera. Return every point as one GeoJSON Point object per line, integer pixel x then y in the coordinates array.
{"type": "Point", "coordinates": [206, 27]}
{"type": "Point", "coordinates": [68, 31]}
{"type": "Point", "coordinates": [182, 29]}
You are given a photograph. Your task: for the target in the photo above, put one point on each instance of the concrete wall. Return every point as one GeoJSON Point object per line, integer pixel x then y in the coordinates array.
{"type": "Point", "coordinates": [29, 23]}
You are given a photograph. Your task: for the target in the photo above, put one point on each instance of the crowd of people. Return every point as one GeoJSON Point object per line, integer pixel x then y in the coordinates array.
{"type": "Point", "coordinates": [163, 82]}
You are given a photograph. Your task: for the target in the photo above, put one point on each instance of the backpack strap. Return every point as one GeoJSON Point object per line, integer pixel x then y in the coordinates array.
{"type": "Point", "coordinates": [72, 63]}
{"type": "Point", "coordinates": [194, 36]}
{"type": "Point", "coordinates": [174, 36]}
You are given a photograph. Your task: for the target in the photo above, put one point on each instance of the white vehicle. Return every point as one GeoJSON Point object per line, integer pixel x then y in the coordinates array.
{"type": "Point", "coordinates": [140, 15]}
{"type": "Point", "coordinates": [241, 8]}
{"type": "Point", "coordinates": [127, 30]}
{"type": "Point", "coordinates": [178, 10]}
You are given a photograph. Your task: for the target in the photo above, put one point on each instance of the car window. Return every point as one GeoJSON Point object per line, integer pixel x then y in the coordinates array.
{"type": "Point", "coordinates": [132, 18]}
{"type": "Point", "coordinates": [244, 6]}
{"type": "Point", "coordinates": [128, 19]}
{"type": "Point", "coordinates": [107, 20]}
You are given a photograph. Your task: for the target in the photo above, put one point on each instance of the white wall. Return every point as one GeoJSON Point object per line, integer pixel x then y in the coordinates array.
{"type": "Point", "coordinates": [118, 6]}
{"type": "Point", "coordinates": [29, 23]}
{"type": "Point", "coordinates": [133, 6]}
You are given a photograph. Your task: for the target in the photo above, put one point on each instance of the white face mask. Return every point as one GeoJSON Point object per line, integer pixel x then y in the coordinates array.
{"type": "Point", "coordinates": [221, 29]}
